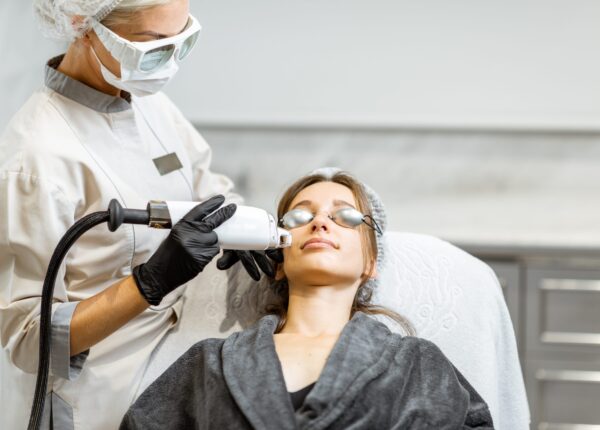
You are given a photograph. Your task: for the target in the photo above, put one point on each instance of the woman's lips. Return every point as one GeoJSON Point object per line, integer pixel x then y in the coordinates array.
{"type": "Point", "coordinates": [318, 243]}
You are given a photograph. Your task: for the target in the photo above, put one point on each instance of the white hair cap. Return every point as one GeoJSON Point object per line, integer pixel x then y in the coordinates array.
{"type": "Point", "coordinates": [58, 19]}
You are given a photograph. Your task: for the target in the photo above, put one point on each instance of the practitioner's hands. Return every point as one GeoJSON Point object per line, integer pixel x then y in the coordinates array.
{"type": "Point", "coordinates": [250, 259]}
{"type": "Point", "coordinates": [190, 246]}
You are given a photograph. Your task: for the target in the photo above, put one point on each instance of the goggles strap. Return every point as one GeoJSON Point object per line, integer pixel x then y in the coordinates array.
{"type": "Point", "coordinates": [373, 224]}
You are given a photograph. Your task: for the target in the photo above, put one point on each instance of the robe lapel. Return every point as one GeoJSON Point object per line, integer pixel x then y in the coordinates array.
{"type": "Point", "coordinates": [253, 374]}
{"type": "Point", "coordinates": [254, 377]}
{"type": "Point", "coordinates": [360, 355]}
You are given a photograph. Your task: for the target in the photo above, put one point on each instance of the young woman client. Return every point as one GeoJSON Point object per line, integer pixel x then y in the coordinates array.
{"type": "Point", "coordinates": [318, 358]}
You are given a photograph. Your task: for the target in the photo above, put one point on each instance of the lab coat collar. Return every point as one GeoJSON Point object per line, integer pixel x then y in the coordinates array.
{"type": "Point", "coordinates": [81, 93]}
{"type": "Point", "coordinates": [253, 374]}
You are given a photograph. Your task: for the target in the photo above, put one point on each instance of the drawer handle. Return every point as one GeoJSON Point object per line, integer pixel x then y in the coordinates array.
{"type": "Point", "coordinates": [587, 285]}
{"type": "Point", "coordinates": [565, 426]}
{"type": "Point", "coordinates": [568, 376]}
{"type": "Point", "coordinates": [570, 338]}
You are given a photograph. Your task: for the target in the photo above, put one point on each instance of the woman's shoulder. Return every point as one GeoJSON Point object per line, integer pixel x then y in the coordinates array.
{"type": "Point", "coordinates": [419, 356]}
{"type": "Point", "coordinates": [202, 357]}
{"type": "Point", "coordinates": [40, 146]}
{"type": "Point", "coordinates": [417, 345]}
{"type": "Point", "coordinates": [409, 347]}
{"type": "Point", "coordinates": [417, 342]}
{"type": "Point", "coordinates": [38, 112]}
{"type": "Point", "coordinates": [208, 353]}
{"type": "Point", "coordinates": [36, 131]}
{"type": "Point", "coordinates": [211, 345]}
{"type": "Point", "coordinates": [396, 335]}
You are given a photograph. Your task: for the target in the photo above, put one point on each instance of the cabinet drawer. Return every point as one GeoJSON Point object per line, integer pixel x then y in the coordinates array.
{"type": "Point", "coordinates": [564, 395]}
{"type": "Point", "coordinates": [563, 311]}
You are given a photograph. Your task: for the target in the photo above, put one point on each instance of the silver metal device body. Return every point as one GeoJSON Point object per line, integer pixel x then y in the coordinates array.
{"type": "Point", "coordinates": [250, 228]}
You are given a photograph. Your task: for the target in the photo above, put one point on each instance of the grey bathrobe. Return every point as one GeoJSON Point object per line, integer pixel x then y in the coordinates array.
{"type": "Point", "coordinates": [373, 379]}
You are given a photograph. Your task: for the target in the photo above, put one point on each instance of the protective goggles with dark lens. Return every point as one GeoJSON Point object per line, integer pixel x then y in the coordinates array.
{"type": "Point", "coordinates": [149, 56]}
{"type": "Point", "coordinates": [345, 217]}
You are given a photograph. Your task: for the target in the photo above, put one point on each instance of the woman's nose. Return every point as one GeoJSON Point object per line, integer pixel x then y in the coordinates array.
{"type": "Point", "coordinates": [320, 222]}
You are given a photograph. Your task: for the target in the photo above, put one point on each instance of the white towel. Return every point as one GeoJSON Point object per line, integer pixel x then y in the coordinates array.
{"type": "Point", "coordinates": [455, 301]}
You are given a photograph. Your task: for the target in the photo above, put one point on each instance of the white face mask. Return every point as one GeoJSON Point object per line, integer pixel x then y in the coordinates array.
{"type": "Point", "coordinates": [138, 83]}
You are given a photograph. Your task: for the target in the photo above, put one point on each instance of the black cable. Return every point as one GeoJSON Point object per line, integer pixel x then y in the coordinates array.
{"type": "Point", "coordinates": [115, 216]}
{"type": "Point", "coordinates": [80, 227]}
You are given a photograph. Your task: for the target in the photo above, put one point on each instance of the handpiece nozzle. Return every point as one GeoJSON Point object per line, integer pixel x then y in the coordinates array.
{"type": "Point", "coordinates": [285, 238]}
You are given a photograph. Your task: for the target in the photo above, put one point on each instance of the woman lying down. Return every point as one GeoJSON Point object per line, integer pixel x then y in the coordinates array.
{"type": "Point", "coordinates": [317, 359]}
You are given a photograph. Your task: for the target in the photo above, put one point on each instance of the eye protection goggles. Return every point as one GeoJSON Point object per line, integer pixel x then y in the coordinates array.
{"type": "Point", "coordinates": [345, 217]}
{"type": "Point", "coordinates": [149, 56]}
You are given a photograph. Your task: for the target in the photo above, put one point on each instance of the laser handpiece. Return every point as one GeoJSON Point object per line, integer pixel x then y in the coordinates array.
{"type": "Point", "coordinates": [250, 228]}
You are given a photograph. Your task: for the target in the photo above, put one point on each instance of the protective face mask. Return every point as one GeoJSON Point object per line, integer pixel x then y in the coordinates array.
{"type": "Point", "coordinates": [138, 83]}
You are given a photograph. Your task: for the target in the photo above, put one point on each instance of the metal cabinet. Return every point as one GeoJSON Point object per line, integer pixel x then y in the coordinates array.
{"type": "Point", "coordinates": [562, 347]}
{"type": "Point", "coordinates": [565, 309]}
{"type": "Point", "coordinates": [555, 308]}
{"type": "Point", "coordinates": [563, 395]}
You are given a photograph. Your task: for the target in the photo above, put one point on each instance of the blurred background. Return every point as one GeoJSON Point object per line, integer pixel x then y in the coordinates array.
{"type": "Point", "coordinates": [476, 121]}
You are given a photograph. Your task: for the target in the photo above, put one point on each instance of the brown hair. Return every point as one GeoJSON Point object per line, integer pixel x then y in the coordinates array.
{"type": "Point", "coordinates": [362, 299]}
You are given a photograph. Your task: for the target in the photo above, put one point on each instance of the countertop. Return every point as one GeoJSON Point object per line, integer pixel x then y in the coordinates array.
{"type": "Point", "coordinates": [512, 222]}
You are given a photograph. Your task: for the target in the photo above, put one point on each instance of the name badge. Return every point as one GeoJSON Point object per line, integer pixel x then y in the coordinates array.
{"type": "Point", "coordinates": [167, 163]}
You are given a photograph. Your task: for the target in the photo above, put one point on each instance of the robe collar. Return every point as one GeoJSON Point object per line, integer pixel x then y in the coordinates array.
{"type": "Point", "coordinates": [253, 373]}
{"type": "Point", "coordinates": [81, 93]}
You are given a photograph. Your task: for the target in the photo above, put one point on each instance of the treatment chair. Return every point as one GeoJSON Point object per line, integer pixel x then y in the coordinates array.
{"type": "Point", "coordinates": [450, 297]}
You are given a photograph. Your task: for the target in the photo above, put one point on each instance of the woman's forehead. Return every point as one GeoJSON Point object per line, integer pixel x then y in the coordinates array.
{"type": "Point", "coordinates": [325, 194]}
{"type": "Point", "coordinates": [164, 20]}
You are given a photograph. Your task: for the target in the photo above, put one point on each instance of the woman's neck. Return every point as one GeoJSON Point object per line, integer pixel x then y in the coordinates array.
{"type": "Point", "coordinates": [318, 310]}
{"type": "Point", "coordinates": [80, 64]}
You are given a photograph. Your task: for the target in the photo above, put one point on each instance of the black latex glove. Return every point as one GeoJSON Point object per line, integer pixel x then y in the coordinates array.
{"type": "Point", "coordinates": [250, 259]}
{"type": "Point", "coordinates": [188, 248]}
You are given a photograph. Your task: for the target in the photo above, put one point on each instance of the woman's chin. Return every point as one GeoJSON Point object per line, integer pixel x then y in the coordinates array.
{"type": "Point", "coordinates": [322, 275]}
{"type": "Point", "coordinates": [323, 267]}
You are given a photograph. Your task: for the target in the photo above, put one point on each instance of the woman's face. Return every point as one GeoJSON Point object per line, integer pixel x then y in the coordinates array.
{"type": "Point", "coordinates": [151, 24]}
{"type": "Point", "coordinates": [323, 252]}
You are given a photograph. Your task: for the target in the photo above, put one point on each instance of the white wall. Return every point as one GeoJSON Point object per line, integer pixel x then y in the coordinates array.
{"type": "Point", "coordinates": [516, 63]}
{"type": "Point", "coordinates": [464, 63]}
{"type": "Point", "coordinates": [23, 53]}
{"type": "Point", "coordinates": [524, 189]}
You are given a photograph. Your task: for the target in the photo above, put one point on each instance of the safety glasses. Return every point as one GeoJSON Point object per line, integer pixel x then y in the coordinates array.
{"type": "Point", "coordinates": [345, 217]}
{"type": "Point", "coordinates": [149, 56]}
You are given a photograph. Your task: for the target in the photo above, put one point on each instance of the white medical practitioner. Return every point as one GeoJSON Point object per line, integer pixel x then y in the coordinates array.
{"type": "Point", "coordinates": [100, 129]}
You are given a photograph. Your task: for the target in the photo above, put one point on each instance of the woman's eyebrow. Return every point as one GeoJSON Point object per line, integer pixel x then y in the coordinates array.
{"type": "Point", "coordinates": [302, 203]}
{"type": "Point", "coordinates": [159, 35]}
{"type": "Point", "coordinates": [335, 203]}
{"type": "Point", "coordinates": [343, 203]}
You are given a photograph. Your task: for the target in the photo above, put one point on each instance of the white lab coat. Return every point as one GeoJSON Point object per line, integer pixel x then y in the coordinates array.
{"type": "Point", "coordinates": [67, 153]}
